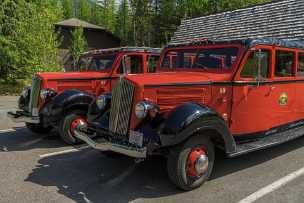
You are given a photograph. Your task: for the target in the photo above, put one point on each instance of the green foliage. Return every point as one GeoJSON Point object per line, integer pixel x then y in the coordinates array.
{"type": "Point", "coordinates": [68, 8]}
{"type": "Point", "coordinates": [27, 39]}
{"type": "Point", "coordinates": [123, 23]}
{"type": "Point", "coordinates": [84, 10]}
{"type": "Point", "coordinates": [108, 14]}
{"type": "Point", "coordinates": [78, 45]}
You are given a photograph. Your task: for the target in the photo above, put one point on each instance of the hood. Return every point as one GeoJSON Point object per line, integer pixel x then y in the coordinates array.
{"type": "Point", "coordinates": [71, 75]}
{"type": "Point", "coordinates": [167, 78]}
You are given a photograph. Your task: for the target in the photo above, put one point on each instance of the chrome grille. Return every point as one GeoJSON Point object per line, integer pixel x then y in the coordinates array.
{"type": "Point", "coordinates": [121, 107]}
{"type": "Point", "coordinates": [34, 98]}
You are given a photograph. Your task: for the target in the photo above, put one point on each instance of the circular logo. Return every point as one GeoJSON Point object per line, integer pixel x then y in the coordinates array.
{"type": "Point", "coordinates": [283, 99]}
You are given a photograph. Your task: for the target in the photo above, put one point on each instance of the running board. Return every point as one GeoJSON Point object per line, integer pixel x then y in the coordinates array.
{"type": "Point", "coordinates": [269, 141]}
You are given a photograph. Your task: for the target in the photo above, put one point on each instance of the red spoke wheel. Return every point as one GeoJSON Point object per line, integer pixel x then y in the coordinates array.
{"type": "Point", "coordinates": [68, 124]}
{"type": "Point", "coordinates": [191, 164]}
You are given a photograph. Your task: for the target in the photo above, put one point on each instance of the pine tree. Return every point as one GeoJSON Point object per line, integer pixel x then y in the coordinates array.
{"type": "Point", "coordinates": [78, 45]}
{"type": "Point", "coordinates": [68, 8]}
{"type": "Point", "coordinates": [84, 10]}
{"type": "Point", "coordinates": [27, 39]}
{"type": "Point", "coordinates": [108, 14]}
{"type": "Point", "coordinates": [123, 22]}
{"type": "Point", "coordinates": [142, 22]}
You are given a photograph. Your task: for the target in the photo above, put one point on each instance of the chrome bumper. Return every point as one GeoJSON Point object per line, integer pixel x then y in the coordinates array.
{"type": "Point", "coordinates": [104, 145]}
{"type": "Point", "coordinates": [20, 117]}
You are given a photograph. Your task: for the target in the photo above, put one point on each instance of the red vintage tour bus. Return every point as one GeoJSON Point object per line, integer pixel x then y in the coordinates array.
{"type": "Point", "coordinates": [238, 96]}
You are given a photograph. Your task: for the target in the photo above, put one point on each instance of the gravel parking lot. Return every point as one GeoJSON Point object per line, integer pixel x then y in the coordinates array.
{"type": "Point", "coordinates": [41, 168]}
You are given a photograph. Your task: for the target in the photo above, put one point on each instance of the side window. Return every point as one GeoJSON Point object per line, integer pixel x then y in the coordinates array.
{"type": "Point", "coordinates": [83, 63]}
{"type": "Point", "coordinates": [179, 59]}
{"type": "Point", "coordinates": [152, 63]}
{"type": "Point", "coordinates": [250, 69]}
{"type": "Point", "coordinates": [300, 71]}
{"type": "Point", "coordinates": [133, 64]}
{"type": "Point", "coordinates": [284, 63]}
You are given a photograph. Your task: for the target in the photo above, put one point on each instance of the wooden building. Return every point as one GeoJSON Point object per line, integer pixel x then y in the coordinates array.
{"type": "Point", "coordinates": [97, 38]}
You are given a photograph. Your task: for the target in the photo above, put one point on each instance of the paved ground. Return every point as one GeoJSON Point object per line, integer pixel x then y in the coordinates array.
{"type": "Point", "coordinates": [29, 172]}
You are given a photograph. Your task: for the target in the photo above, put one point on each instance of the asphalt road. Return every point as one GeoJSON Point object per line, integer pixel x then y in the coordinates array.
{"type": "Point", "coordinates": [33, 169]}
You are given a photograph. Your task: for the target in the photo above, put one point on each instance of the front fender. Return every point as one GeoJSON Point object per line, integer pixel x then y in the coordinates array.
{"type": "Point", "coordinates": [189, 118]}
{"type": "Point", "coordinates": [67, 100]}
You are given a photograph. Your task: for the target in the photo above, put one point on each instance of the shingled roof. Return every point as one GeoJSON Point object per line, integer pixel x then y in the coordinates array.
{"type": "Point", "coordinates": [74, 22]}
{"type": "Point", "coordinates": [280, 20]}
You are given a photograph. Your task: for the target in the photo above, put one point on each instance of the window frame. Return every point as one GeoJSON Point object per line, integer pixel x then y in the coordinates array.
{"type": "Point", "coordinates": [199, 47]}
{"type": "Point", "coordinates": [294, 68]}
{"type": "Point", "coordinates": [130, 55]}
{"type": "Point", "coordinates": [148, 60]}
{"type": "Point", "coordinates": [298, 62]}
{"type": "Point", "coordinates": [247, 55]}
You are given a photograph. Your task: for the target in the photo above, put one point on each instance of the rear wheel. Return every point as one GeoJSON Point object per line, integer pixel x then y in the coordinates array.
{"type": "Point", "coordinates": [68, 124]}
{"type": "Point", "coordinates": [38, 128]}
{"type": "Point", "coordinates": [191, 164]}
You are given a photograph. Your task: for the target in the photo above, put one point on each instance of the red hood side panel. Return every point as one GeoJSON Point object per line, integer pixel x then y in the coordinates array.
{"type": "Point", "coordinates": [85, 81]}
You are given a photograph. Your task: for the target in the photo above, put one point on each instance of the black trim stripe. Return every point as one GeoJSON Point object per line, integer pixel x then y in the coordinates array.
{"type": "Point", "coordinates": [259, 135]}
{"type": "Point", "coordinates": [235, 83]}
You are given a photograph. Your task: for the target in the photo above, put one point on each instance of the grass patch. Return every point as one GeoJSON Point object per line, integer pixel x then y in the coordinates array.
{"type": "Point", "coordinates": [13, 88]}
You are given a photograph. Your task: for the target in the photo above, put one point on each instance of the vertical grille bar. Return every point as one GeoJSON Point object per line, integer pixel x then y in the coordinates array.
{"type": "Point", "coordinates": [34, 98]}
{"type": "Point", "coordinates": [121, 106]}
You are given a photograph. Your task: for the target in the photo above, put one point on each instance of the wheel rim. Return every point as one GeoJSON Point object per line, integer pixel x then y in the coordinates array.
{"type": "Point", "coordinates": [197, 162]}
{"type": "Point", "coordinates": [75, 123]}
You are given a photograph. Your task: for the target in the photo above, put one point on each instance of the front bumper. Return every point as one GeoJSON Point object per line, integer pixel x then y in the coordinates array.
{"type": "Point", "coordinates": [104, 145]}
{"type": "Point", "coordinates": [21, 116]}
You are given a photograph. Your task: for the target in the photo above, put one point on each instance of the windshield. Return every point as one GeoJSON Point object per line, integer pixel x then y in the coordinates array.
{"type": "Point", "coordinates": [213, 59]}
{"type": "Point", "coordinates": [96, 63]}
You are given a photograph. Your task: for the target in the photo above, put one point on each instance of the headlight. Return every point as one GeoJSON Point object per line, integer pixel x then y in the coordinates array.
{"type": "Point", "coordinates": [101, 102]}
{"type": "Point", "coordinates": [25, 92]}
{"type": "Point", "coordinates": [47, 93]}
{"type": "Point", "coordinates": [142, 109]}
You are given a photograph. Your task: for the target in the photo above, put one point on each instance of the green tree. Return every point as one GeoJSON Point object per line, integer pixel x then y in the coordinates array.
{"type": "Point", "coordinates": [68, 8]}
{"type": "Point", "coordinates": [78, 45]}
{"type": "Point", "coordinates": [96, 14]}
{"type": "Point", "coordinates": [123, 22]}
{"type": "Point", "coordinates": [108, 14]}
{"type": "Point", "coordinates": [27, 39]}
{"type": "Point", "coordinates": [142, 12]}
{"type": "Point", "coordinates": [84, 10]}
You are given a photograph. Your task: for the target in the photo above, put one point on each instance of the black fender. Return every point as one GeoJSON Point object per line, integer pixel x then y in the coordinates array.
{"type": "Point", "coordinates": [68, 100]}
{"type": "Point", "coordinates": [189, 119]}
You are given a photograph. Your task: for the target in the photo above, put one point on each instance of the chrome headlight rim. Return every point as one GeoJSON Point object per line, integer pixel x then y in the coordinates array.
{"type": "Point", "coordinates": [25, 91]}
{"type": "Point", "coordinates": [101, 102]}
{"type": "Point", "coordinates": [47, 93]}
{"type": "Point", "coordinates": [142, 109]}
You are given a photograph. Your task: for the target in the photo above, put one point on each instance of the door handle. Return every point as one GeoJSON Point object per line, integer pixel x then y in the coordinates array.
{"type": "Point", "coordinates": [271, 89]}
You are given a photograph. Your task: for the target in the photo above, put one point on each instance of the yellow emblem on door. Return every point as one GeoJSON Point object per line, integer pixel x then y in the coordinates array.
{"type": "Point", "coordinates": [283, 99]}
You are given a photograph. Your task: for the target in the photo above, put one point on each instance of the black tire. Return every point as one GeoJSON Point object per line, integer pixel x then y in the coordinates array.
{"type": "Point", "coordinates": [65, 126]}
{"type": "Point", "coordinates": [38, 128]}
{"type": "Point", "coordinates": [177, 161]}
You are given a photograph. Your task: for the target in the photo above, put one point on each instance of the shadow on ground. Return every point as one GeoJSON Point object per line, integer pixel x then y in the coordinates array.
{"type": "Point", "coordinates": [89, 176]}
{"type": "Point", "coordinates": [22, 139]}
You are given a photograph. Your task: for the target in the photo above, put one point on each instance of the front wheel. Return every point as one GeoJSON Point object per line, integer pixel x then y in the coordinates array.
{"type": "Point", "coordinates": [191, 164]}
{"type": "Point", "coordinates": [38, 128]}
{"type": "Point", "coordinates": [68, 124]}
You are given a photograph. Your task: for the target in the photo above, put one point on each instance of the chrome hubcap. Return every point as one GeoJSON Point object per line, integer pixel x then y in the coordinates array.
{"type": "Point", "coordinates": [201, 164]}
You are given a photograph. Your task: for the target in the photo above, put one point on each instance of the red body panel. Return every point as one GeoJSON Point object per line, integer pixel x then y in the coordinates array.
{"type": "Point", "coordinates": [246, 108]}
{"type": "Point", "coordinates": [93, 82]}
